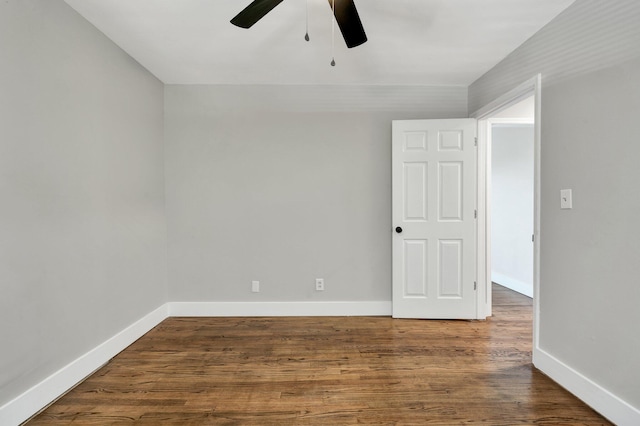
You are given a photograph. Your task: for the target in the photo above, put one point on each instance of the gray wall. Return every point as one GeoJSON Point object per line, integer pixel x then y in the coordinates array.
{"type": "Point", "coordinates": [82, 246]}
{"type": "Point", "coordinates": [589, 255]}
{"type": "Point", "coordinates": [285, 184]}
{"type": "Point", "coordinates": [512, 206]}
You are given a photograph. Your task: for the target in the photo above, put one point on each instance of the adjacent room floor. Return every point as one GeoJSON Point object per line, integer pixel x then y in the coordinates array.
{"type": "Point", "coordinates": [329, 371]}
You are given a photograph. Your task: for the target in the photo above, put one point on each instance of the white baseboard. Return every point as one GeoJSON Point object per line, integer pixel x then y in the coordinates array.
{"type": "Point", "coordinates": [600, 399]}
{"type": "Point", "coordinates": [278, 309]}
{"type": "Point", "coordinates": [513, 284]}
{"type": "Point", "coordinates": [39, 396]}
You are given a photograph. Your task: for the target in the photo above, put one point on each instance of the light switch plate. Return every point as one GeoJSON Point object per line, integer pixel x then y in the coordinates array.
{"type": "Point", "coordinates": [566, 201]}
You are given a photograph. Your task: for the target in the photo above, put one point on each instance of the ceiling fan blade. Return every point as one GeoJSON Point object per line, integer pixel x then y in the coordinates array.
{"type": "Point", "coordinates": [349, 22]}
{"type": "Point", "coordinates": [254, 12]}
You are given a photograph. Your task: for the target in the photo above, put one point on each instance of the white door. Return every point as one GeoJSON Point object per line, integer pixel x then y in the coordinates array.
{"type": "Point", "coordinates": [434, 226]}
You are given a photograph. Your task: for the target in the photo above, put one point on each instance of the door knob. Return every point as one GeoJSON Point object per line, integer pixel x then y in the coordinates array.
{"type": "Point", "coordinates": [398, 229]}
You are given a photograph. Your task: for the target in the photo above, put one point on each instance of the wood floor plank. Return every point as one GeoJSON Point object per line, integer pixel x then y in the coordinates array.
{"type": "Point", "coordinates": [327, 371]}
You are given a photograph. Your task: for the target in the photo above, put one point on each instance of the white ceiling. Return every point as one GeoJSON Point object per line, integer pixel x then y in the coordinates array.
{"type": "Point", "coordinates": [411, 42]}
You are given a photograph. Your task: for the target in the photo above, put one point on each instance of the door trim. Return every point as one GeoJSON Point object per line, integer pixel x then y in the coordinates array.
{"type": "Point", "coordinates": [531, 87]}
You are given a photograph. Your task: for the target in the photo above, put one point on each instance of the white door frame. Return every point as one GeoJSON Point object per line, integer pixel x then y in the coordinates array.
{"type": "Point", "coordinates": [531, 87]}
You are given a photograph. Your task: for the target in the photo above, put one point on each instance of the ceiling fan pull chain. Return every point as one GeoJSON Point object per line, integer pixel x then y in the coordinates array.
{"type": "Point", "coordinates": [333, 33]}
{"type": "Point", "coordinates": [306, 36]}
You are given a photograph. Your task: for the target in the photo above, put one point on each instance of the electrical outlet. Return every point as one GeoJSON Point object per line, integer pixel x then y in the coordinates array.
{"type": "Point", "coordinates": [319, 284]}
{"type": "Point", "coordinates": [255, 286]}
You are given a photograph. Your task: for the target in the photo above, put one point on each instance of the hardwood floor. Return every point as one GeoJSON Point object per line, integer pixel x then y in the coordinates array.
{"type": "Point", "coordinates": [329, 371]}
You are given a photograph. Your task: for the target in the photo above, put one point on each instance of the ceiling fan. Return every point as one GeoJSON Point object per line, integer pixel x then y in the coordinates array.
{"type": "Point", "coordinates": [344, 11]}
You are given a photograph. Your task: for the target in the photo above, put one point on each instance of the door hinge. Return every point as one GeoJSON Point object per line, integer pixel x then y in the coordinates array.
{"type": "Point", "coordinates": [475, 214]}
{"type": "Point", "coordinates": [533, 238]}
{"type": "Point", "coordinates": [475, 285]}
{"type": "Point", "coordinates": [475, 143]}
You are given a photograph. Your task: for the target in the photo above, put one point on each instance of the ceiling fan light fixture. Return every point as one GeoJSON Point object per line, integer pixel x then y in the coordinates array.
{"type": "Point", "coordinates": [344, 14]}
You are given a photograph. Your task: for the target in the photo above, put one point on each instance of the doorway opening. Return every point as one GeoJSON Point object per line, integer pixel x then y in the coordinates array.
{"type": "Point", "coordinates": [517, 111]}
{"type": "Point", "coordinates": [510, 190]}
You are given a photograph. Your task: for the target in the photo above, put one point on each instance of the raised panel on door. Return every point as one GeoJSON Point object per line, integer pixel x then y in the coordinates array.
{"type": "Point", "coordinates": [450, 268]}
{"type": "Point", "coordinates": [450, 190]}
{"type": "Point", "coordinates": [415, 181]}
{"type": "Point", "coordinates": [415, 141]}
{"type": "Point", "coordinates": [415, 268]}
{"type": "Point", "coordinates": [450, 140]}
